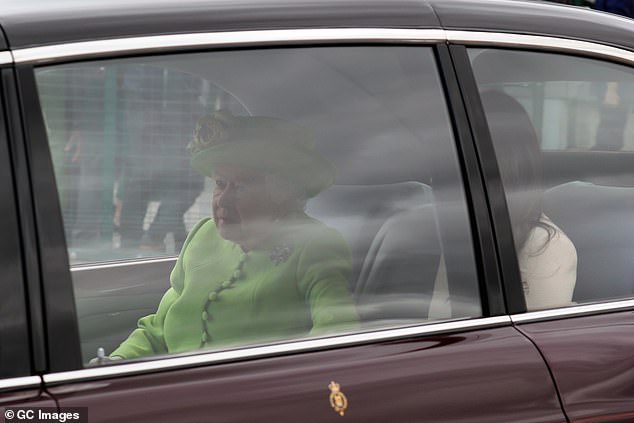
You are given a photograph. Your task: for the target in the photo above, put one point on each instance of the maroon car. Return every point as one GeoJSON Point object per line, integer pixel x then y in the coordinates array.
{"type": "Point", "coordinates": [480, 176]}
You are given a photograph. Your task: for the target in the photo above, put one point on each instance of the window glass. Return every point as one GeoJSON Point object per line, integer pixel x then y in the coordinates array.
{"type": "Point", "coordinates": [330, 176]}
{"type": "Point", "coordinates": [575, 104]}
{"type": "Point", "coordinates": [563, 132]}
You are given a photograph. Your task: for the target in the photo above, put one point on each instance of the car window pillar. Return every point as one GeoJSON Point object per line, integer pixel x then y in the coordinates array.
{"type": "Point", "coordinates": [50, 273]}
{"type": "Point", "coordinates": [495, 199]}
{"type": "Point", "coordinates": [483, 230]}
{"type": "Point", "coordinates": [17, 340]}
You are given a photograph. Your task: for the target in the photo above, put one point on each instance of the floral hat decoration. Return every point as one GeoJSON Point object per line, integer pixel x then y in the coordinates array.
{"type": "Point", "coordinates": [265, 144]}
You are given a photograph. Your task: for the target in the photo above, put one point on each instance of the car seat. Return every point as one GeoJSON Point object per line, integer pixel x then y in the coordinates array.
{"type": "Point", "coordinates": [599, 221]}
{"type": "Point", "coordinates": [392, 233]}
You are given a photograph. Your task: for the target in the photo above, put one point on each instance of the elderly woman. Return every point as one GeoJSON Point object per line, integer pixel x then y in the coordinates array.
{"type": "Point", "coordinates": [261, 269]}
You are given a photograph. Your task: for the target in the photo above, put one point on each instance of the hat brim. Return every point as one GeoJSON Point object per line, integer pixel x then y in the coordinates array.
{"type": "Point", "coordinates": [296, 164]}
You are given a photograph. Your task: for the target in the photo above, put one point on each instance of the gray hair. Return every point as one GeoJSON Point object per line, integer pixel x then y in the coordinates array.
{"type": "Point", "coordinates": [283, 190]}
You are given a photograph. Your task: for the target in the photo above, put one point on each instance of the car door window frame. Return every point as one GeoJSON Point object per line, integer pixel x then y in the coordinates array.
{"type": "Point", "coordinates": [506, 251]}
{"type": "Point", "coordinates": [58, 282]}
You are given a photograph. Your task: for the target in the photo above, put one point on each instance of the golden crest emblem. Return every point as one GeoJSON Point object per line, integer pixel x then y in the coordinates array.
{"type": "Point", "coordinates": [338, 400]}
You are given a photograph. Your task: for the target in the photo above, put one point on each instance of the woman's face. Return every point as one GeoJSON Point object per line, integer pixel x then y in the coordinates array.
{"type": "Point", "coordinates": [242, 206]}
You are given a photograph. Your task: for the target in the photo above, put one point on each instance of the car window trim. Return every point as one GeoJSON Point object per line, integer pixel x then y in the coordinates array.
{"type": "Point", "coordinates": [172, 363]}
{"type": "Point", "coordinates": [586, 48]}
{"type": "Point", "coordinates": [576, 310]}
{"type": "Point", "coordinates": [20, 383]}
{"type": "Point", "coordinates": [126, 45]}
{"type": "Point", "coordinates": [6, 58]}
{"type": "Point", "coordinates": [157, 363]}
{"type": "Point", "coordinates": [225, 39]}
{"type": "Point", "coordinates": [123, 263]}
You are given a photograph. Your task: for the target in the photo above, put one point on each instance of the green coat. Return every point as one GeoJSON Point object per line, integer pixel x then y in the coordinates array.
{"type": "Point", "coordinates": [296, 285]}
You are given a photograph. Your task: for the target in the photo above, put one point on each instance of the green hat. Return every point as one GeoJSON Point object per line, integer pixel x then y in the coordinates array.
{"type": "Point", "coordinates": [261, 143]}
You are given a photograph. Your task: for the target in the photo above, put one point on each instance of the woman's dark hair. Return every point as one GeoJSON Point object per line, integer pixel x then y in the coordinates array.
{"type": "Point", "coordinates": [519, 159]}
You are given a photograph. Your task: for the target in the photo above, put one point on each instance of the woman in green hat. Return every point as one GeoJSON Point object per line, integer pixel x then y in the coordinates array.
{"type": "Point", "coordinates": [261, 269]}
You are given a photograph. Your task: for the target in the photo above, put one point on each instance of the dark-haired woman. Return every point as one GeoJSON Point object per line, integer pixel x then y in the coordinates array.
{"type": "Point", "coordinates": [546, 256]}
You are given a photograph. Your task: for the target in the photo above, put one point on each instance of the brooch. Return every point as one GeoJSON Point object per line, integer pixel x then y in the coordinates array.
{"type": "Point", "coordinates": [281, 253]}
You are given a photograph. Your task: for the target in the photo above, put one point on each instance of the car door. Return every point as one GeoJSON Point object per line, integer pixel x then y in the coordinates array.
{"type": "Point", "coordinates": [433, 341]}
{"type": "Point", "coordinates": [581, 109]}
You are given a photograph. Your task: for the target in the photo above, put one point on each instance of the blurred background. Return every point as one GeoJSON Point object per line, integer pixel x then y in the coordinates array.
{"type": "Point", "coordinates": [620, 7]}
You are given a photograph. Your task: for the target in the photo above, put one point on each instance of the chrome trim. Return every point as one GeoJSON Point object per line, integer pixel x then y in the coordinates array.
{"type": "Point", "coordinates": [110, 265]}
{"type": "Point", "coordinates": [235, 38]}
{"type": "Point", "coordinates": [519, 40]}
{"type": "Point", "coordinates": [6, 58]}
{"type": "Point", "coordinates": [272, 350]}
{"type": "Point", "coordinates": [288, 36]}
{"type": "Point", "coordinates": [20, 383]}
{"type": "Point", "coordinates": [572, 311]}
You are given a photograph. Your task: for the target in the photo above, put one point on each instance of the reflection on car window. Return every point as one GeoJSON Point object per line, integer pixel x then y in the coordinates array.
{"type": "Point", "coordinates": [562, 129]}
{"type": "Point", "coordinates": [119, 137]}
{"type": "Point", "coordinates": [575, 104]}
{"type": "Point", "coordinates": [308, 192]}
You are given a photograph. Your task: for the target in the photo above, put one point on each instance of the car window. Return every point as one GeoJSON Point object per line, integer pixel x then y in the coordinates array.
{"type": "Point", "coordinates": [305, 192]}
{"type": "Point", "coordinates": [562, 129]}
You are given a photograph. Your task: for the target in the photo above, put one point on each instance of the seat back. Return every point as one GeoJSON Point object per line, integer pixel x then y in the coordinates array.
{"type": "Point", "coordinates": [599, 220]}
{"type": "Point", "coordinates": [392, 234]}
{"type": "Point", "coordinates": [398, 274]}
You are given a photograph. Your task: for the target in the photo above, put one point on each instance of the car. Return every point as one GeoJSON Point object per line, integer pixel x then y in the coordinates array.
{"type": "Point", "coordinates": [482, 154]}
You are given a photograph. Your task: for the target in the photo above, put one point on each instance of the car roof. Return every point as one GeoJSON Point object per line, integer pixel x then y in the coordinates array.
{"type": "Point", "coordinates": [39, 22]}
